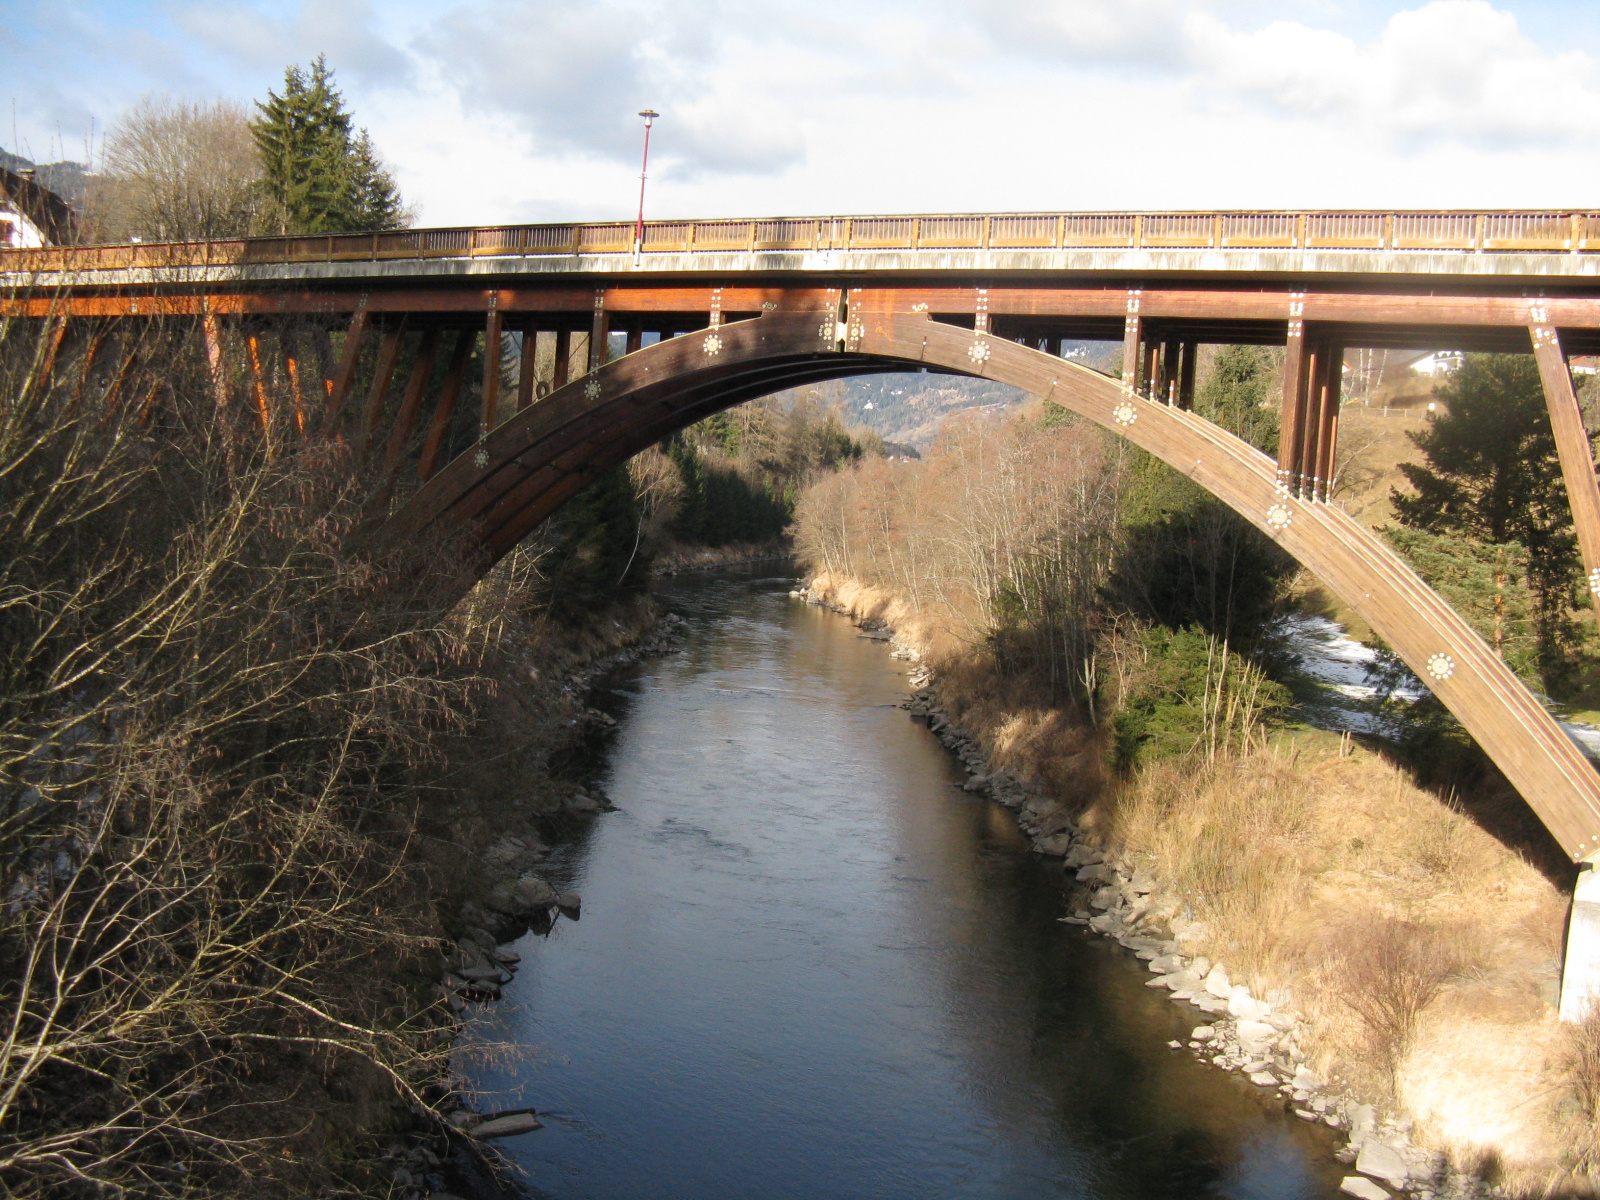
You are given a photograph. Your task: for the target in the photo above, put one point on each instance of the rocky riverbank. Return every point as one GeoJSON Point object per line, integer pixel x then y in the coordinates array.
{"type": "Point", "coordinates": [517, 790]}
{"type": "Point", "coordinates": [1260, 1037]}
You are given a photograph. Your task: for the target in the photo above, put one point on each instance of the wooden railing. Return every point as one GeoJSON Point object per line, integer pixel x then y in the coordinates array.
{"type": "Point", "coordinates": [1563, 231]}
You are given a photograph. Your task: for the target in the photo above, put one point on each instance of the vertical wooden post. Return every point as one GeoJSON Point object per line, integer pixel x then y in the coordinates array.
{"type": "Point", "coordinates": [1294, 390]}
{"type": "Point", "coordinates": [55, 334]}
{"type": "Point", "coordinates": [1311, 420]}
{"type": "Point", "coordinates": [489, 401]}
{"type": "Point", "coordinates": [1186, 374]}
{"type": "Point", "coordinates": [635, 337]}
{"type": "Point", "coordinates": [258, 384]}
{"type": "Point", "coordinates": [378, 393]}
{"type": "Point", "coordinates": [120, 380]}
{"type": "Point", "coordinates": [563, 368]}
{"type": "Point", "coordinates": [1331, 395]}
{"type": "Point", "coordinates": [345, 373]}
{"type": "Point", "coordinates": [1131, 335]}
{"type": "Point", "coordinates": [1573, 448]}
{"type": "Point", "coordinates": [527, 368]}
{"type": "Point", "coordinates": [91, 356]}
{"type": "Point", "coordinates": [211, 329]}
{"type": "Point", "coordinates": [406, 418]}
{"type": "Point", "coordinates": [599, 332]}
{"type": "Point", "coordinates": [291, 367]}
{"type": "Point", "coordinates": [449, 393]}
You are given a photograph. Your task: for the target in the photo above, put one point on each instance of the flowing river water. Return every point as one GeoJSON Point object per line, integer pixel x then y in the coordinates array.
{"type": "Point", "coordinates": [810, 967]}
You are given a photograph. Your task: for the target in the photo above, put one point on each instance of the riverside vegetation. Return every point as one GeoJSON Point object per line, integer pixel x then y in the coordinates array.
{"type": "Point", "coordinates": [261, 788]}
{"type": "Point", "coordinates": [1371, 927]}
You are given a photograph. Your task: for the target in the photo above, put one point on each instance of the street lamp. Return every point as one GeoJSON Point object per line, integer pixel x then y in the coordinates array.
{"type": "Point", "coordinates": [649, 116]}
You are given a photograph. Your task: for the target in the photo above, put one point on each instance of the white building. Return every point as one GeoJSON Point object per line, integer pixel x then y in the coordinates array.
{"type": "Point", "coordinates": [1440, 362]}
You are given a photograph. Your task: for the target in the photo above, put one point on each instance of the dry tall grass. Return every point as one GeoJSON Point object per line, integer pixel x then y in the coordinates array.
{"type": "Point", "coordinates": [1420, 952]}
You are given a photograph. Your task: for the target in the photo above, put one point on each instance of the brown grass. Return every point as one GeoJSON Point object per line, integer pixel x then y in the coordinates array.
{"type": "Point", "coordinates": [1417, 949]}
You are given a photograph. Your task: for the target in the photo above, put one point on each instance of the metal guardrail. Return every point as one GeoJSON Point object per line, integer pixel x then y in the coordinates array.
{"type": "Point", "coordinates": [1565, 231]}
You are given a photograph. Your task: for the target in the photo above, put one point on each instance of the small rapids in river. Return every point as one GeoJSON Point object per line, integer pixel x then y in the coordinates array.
{"type": "Point", "coordinates": [809, 966]}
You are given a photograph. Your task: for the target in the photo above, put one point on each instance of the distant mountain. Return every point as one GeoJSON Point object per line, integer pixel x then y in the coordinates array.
{"type": "Point", "coordinates": [909, 409]}
{"type": "Point", "coordinates": [69, 180]}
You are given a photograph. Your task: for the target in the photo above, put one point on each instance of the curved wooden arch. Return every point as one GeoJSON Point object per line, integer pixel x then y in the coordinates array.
{"type": "Point", "coordinates": [492, 496]}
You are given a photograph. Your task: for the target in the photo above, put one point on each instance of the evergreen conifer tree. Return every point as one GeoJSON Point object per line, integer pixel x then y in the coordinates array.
{"type": "Point", "coordinates": [324, 175]}
{"type": "Point", "coordinates": [1492, 477]}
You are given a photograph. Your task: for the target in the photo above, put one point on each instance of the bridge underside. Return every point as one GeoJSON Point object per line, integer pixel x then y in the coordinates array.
{"type": "Point", "coordinates": [609, 367]}
{"type": "Point", "coordinates": [491, 497]}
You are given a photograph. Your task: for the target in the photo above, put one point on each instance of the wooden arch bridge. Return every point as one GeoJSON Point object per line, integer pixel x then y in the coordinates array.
{"type": "Point", "coordinates": [623, 343]}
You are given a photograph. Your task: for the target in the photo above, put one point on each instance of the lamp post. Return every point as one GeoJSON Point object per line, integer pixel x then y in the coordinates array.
{"type": "Point", "coordinates": [649, 116]}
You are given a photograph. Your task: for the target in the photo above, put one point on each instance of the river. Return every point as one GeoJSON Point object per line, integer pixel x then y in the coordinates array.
{"type": "Point", "coordinates": [808, 966]}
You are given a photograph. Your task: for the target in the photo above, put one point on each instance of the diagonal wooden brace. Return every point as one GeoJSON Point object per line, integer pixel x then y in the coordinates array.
{"type": "Point", "coordinates": [1572, 445]}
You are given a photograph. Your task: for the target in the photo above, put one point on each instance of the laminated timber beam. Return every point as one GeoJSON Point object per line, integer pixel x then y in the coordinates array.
{"type": "Point", "coordinates": [493, 496]}
{"type": "Point", "coordinates": [1574, 450]}
{"type": "Point", "coordinates": [1261, 312]}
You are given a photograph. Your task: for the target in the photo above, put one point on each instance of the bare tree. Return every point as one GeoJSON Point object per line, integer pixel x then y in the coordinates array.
{"type": "Point", "coordinates": [178, 170]}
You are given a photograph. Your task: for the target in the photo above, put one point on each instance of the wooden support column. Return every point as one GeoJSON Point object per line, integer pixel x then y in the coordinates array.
{"type": "Point", "coordinates": [1131, 336]}
{"type": "Point", "coordinates": [91, 356]}
{"type": "Point", "coordinates": [55, 333]}
{"type": "Point", "coordinates": [291, 367]}
{"type": "Point", "coordinates": [563, 368]}
{"type": "Point", "coordinates": [405, 420]}
{"type": "Point", "coordinates": [1151, 374]}
{"type": "Point", "coordinates": [489, 401]}
{"type": "Point", "coordinates": [258, 384]}
{"type": "Point", "coordinates": [1186, 374]}
{"type": "Point", "coordinates": [378, 393]}
{"type": "Point", "coordinates": [1311, 420]}
{"type": "Point", "coordinates": [345, 373]}
{"type": "Point", "coordinates": [599, 331]}
{"type": "Point", "coordinates": [1574, 450]}
{"type": "Point", "coordinates": [1293, 408]}
{"type": "Point", "coordinates": [120, 381]}
{"type": "Point", "coordinates": [211, 330]}
{"type": "Point", "coordinates": [527, 368]}
{"type": "Point", "coordinates": [635, 338]}
{"type": "Point", "coordinates": [449, 393]}
{"type": "Point", "coordinates": [1330, 396]}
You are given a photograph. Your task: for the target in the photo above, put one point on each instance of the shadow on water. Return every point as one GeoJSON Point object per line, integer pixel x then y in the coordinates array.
{"type": "Point", "coordinates": [809, 966]}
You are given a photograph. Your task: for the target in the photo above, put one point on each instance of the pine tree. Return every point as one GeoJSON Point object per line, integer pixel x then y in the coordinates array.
{"type": "Point", "coordinates": [323, 175]}
{"type": "Point", "coordinates": [1492, 476]}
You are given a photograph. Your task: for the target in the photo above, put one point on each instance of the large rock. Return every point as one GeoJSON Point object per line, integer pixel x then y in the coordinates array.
{"type": "Point", "coordinates": [1093, 873]}
{"type": "Point", "coordinates": [508, 1125]}
{"type": "Point", "coordinates": [527, 894]}
{"type": "Point", "coordinates": [1362, 1189]}
{"type": "Point", "coordinates": [1218, 984]}
{"type": "Point", "coordinates": [1055, 844]}
{"type": "Point", "coordinates": [1254, 1036]}
{"type": "Point", "coordinates": [1243, 1005]}
{"type": "Point", "coordinates": [1382, 1162]}
{"type": "Point", "coordinates": [1083, 856]}
{"type": "Point", "coordinates": [1167, 964]}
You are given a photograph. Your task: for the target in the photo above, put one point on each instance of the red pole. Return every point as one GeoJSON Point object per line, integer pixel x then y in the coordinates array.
{"type": "Point", "coordinates": [649, 116]}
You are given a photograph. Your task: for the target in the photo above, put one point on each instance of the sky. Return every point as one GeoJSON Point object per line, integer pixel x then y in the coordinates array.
{"type": "Point", "coordinates": [500, 111]}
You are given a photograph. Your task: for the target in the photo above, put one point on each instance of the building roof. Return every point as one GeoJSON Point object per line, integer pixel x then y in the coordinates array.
{"type": "Point", "coordinates": [52, 215]}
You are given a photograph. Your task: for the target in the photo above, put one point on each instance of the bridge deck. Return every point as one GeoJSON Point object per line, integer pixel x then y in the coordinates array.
{"type": "Point", "coordinates": [1555, 245]}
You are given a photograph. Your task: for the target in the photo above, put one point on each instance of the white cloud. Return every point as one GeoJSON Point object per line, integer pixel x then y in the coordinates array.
{"type": "Point", "coordinates": [1452, 69]}
{"type": "Point", "coordinates": [499, 110]}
